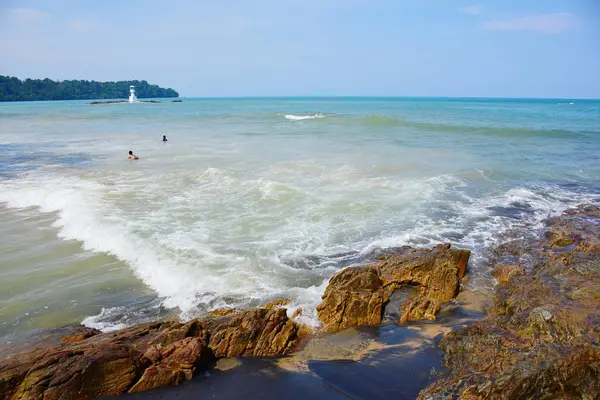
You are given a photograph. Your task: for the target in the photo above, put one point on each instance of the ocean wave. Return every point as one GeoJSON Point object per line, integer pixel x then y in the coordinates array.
{"type": "Point", "coordinates": [302, 117]}
{"type": "Point", "coordinates": [222, 241]}
{"type": "Point", "coordinates": [479, 223]}
{"type": "Point", "coordinates": [385, 121]}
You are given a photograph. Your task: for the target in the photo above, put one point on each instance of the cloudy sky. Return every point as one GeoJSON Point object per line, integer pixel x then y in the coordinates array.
{"type": "Point", "coordinates": [499, 48]}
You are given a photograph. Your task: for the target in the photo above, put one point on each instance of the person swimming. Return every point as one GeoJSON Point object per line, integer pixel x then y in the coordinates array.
{"type": "Point", "coordinates": [164, 138]}
{"type": "Point", "coordinates": [132, 156]}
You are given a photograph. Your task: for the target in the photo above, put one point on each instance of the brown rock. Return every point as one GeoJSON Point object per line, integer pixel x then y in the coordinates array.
{"type": "Point", "coordinates": [253, 332]}
{"type": "Point", "coordinates": [221, 312]}
{"type": "Point", "coordinates": [81, 334]}
{"type": "Point", "coordinates": [420, 308]}
{"type": "Point", "coordinates": [277, 303]}
{"type": "Point", "coordinates": [177, 365]}
{"type": "Point", "coordinates": [143, 357]}
{"type": "Point", "coordinates": [355, 296]}
{"type": "Point", "coordinates": [297, 313]}
{"type": "Point", "coordinates": [540, 338]}
{"type": "Point", "coordinates": [85, 372]}
{"type": "Point", "coordinates": [504, 272]}
{"type": "Point", "coordinates": [559, 238]}
{"type": "Point", "coordinates": [437, 271]}
{"type": "Point", "coordinates": [152, 355]}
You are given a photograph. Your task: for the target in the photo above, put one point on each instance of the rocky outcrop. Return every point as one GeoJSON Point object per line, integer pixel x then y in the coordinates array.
{"type": "Point", "coordinates": [504, 272]}
{"type": "Point", "coordinates": [92, 364]}
{"type": "Point", "coordinates": [358, 295]}
{"type": "Point", "coordinates": [355, 296]}
{"type": "Point", "coordinates": [81, 334]}
{"type": "Point", "coordinates": [277, 303]}
{"type": "Point", "coordinates": [254, 332]}
{"type": "Point", "coordinates": [174, 365]}
{"type": "Point", "coordinates": [541, 338]}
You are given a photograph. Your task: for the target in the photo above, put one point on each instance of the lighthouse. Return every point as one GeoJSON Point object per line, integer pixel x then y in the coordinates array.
{"type": "Point", "coordinates": [132, 97]}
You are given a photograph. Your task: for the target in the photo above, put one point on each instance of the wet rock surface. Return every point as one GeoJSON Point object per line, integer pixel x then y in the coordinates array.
{"type": "Point", "coordinates": [541, 338]}
{"type": "Point", "coordinates": [91, 364]}
{"type": "Point", "coordinates": [357, 296]}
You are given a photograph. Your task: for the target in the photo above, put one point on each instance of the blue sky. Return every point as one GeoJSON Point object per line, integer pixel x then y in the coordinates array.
{"type": "Point", "coordinates": [500, 48]}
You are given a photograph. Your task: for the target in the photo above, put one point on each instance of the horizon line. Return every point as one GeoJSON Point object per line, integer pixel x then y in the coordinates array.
{"type": "Point", "coordinates": [383, 97]}
{"type": "Point", "coordinates": [329, 97]}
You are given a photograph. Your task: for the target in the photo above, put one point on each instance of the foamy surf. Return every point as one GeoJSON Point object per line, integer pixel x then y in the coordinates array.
{"type": "Point", "coordinates": [302, 117]}
{"type": "Point", "coordinates": [192, 273]}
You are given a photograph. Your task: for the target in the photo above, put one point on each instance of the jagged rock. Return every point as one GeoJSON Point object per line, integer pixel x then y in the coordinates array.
{"type": "Point", "coordinates": [254, 332]}
{"type": "Point", "coordinates": [143, 357]}
{"type": "Point", "coordinates": [297, 313]}
{"type": "Point", "coordinates": [504, 272]}
{"type": "Point", "coordinates": [420, 308]}
{"type": "Point", "coordinates": [277, 303]}
{"type": "Point", "coordinates": [176, 364]}
{"type": "Point", "coordinates": [437, 271]}
{"type": "Point", "coordinates": [541, 337]}
{"type": "Point", "coordinates": [81, 334]}
{"type": "Point", "coordinates": [356, 296]}
{"type": "Point", "coordinates": [221, 312]}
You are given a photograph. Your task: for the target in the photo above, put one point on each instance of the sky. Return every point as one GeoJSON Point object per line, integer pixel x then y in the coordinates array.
{"type": "Point", "coordinates": [454, 48]}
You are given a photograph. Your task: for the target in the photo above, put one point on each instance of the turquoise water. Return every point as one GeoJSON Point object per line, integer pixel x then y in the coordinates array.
{"type": "Point", "coordinates": [253, 199]}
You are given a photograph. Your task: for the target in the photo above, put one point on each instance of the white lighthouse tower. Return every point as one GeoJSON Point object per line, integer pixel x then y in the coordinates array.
{"type": "Point", "coordinates": [132, 97]}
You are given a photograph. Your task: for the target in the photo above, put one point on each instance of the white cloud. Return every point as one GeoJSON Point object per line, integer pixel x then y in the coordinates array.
{"type": "Point", "coordinates": [28, 14]}
{"type": "Point", "coordinates": [546, 24]}
{"type": "Point", "coordinates": [471, 10]}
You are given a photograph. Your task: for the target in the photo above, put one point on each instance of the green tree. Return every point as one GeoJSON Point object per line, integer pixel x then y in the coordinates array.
{"type": "Point", "coordinates": [14, 89]}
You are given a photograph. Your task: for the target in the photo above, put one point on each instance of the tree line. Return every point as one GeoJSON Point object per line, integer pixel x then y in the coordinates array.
{"type": "Point", "coordinates": [14, 89]}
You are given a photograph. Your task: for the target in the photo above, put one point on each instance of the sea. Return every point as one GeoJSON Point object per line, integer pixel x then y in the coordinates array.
{"type": "Point", "coordinates": [253, 199]}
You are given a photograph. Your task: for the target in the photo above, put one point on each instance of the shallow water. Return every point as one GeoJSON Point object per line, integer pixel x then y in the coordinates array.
{"type": "Point", "coordinates": [252, 199]}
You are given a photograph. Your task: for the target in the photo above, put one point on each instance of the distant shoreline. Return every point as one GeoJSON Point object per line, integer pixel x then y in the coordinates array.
{"type": "Point", "coordinates": [14, 89]}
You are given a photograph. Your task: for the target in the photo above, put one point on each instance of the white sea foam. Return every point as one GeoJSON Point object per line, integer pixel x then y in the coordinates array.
{"type": "Point", "coordinates": [222, 241]}
{"type": "Point", "coordinates": [479, 223]}
{"type": "Point", "coordinates": [100, 321]}
{"type": "Point", "coordinates": [302, 117]}
{"type": "Point", "coordinates": [175, 258]}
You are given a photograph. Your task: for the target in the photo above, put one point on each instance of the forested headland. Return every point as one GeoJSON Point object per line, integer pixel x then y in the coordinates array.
{"type": "Point", "coordinates": [14, 89]}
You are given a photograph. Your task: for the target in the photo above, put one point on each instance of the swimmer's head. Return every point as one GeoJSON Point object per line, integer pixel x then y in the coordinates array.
{"type": "Point", "coordinates": [130, 152]}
